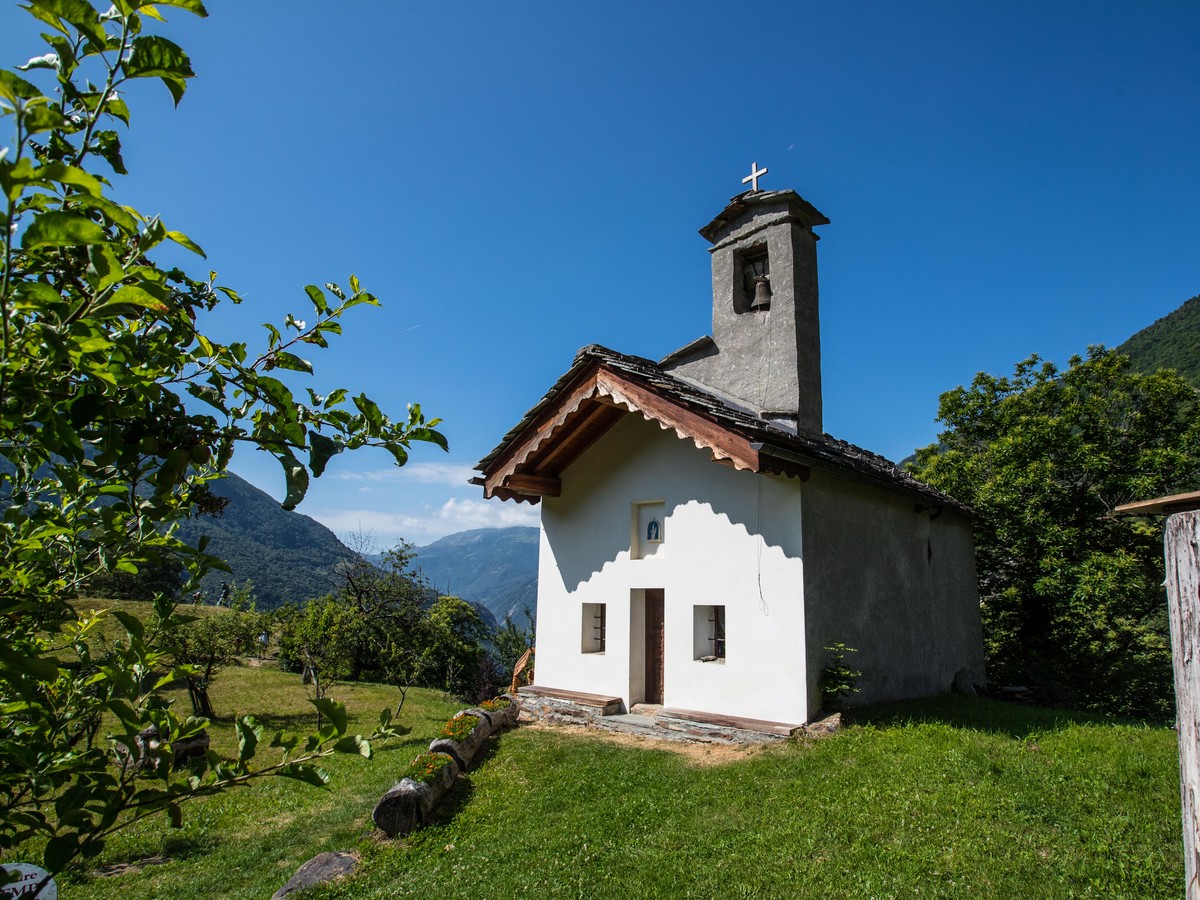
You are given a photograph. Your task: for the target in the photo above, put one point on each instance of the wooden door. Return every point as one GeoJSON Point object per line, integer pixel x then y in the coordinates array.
{"type": "Point", "coordinates": [654, 645]}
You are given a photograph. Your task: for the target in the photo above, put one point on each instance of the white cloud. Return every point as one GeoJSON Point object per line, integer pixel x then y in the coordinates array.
{"type": "Point", "coordinates": [453, 474]}
{"type": "Point", "coordinates": [467, 514]}
{"type": "Point", "coordinates": [385, 528]}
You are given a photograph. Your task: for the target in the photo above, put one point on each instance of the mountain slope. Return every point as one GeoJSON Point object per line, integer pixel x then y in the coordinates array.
{"type": "Point", "coordinates": [287, 555]}
{"type": "Point", "coordinates": [1171, 342]}
{"type": "Point", "coordinates": [496, 567]}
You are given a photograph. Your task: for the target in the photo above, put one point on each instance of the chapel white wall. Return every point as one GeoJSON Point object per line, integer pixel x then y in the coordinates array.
{"type": "Point", "coordinates": [712, 554]}
{"type": "Point", "coordinates": [894, 580]}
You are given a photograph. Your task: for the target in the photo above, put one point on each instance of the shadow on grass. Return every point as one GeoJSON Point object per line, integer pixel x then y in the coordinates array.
{"type": "Point", "coordinates": [1017, 720]}
{"type": "Point", "coordinates": [460, 795]}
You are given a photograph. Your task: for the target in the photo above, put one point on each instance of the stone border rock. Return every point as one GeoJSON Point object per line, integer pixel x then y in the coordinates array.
{"type": "Point", "coordinates": [322, 868]}
{"type": "Point", "coordinates": [408, 804]}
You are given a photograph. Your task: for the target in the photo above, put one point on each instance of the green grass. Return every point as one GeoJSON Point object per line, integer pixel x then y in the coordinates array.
{"type": "Point", "coordinates": [951, 797]}
{"type": "Point", "coordinates": [900, 810]}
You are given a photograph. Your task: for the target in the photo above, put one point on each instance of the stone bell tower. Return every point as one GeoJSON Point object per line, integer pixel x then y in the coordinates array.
{"type": "Point", "coordinates": [765, 350]}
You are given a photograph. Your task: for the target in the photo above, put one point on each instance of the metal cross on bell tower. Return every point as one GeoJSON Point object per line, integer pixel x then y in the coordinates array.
{"type": "Point", "coordinates": [753, 177]}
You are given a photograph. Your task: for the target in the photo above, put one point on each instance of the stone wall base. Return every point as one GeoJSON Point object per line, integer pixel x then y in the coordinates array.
{"type": "Point", "coordinates": [559, 711]}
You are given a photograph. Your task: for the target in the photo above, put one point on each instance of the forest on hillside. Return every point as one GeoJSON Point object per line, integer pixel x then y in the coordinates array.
{"type": "Point", "coordinates": [1173, 342]}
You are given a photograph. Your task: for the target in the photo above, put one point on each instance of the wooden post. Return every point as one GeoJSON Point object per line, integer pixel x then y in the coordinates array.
{"type": "Point", "coordinates": [1181, 547]}
{"type": "Point", "coordinates": [1181, 541]}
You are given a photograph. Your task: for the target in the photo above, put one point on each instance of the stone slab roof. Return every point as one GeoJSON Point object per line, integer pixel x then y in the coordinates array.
{"type": "Point", "coordinates": [827, 452]}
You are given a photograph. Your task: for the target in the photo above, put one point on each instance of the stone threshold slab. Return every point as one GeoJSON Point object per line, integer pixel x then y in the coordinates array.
{"type": "Point", "coordinates": [738, 723]}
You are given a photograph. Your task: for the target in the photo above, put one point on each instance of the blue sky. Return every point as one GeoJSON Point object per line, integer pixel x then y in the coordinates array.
{"type": "Point", "coordinates": [516, 181]}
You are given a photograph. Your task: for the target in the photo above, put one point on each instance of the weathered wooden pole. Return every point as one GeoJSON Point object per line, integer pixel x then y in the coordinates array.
{"type": "Point", "coordinates": [1181, 548]}
{"type": "Point", "coordinates": [1181, 540]}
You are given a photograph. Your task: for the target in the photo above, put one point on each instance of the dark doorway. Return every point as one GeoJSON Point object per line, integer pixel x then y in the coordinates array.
{"type": "Point", "coordinates": [654, 645]}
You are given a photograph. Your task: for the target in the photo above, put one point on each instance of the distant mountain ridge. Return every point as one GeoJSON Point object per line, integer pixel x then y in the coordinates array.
{"type": "Point", "coordinates": [1171, 342]}
{"type": "Point", "coordinates": [291, 557]}
{"type": "Point", "coordinates": [288, 555]}
{"type": "Point", "coordinates": [495, 567]}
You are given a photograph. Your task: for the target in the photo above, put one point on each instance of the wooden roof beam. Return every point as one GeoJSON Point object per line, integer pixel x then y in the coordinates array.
{"type": "Point", "coordinates": [722, 443]}
{"type": "Point", "coordinates": [534, 485]}
{"type": "Point", "coordinates": [539, 431]}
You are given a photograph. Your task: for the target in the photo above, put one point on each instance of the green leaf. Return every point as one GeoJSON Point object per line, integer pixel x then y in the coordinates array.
{"type": "Point", "coordinates": [194, 6]}
{"type": "Point", "coordinates": [296, 477]}
{"type": "Point", "coordinates": [321, 450]}
{"type": "Point", "coordinates": [108, 145]}
{"type": "Point", "coordinates": [153, 56]}
{"type": "Point", "coordinates": [184, 241]}
{"type": "Point", "coordinates": [61, 229]}
{"type": "Point", "coordinates": [285, 740]}
{"type": "Point", "coordinates": [285, 360]}
{"type": "Point", "coordinates": [249, 733]}
{"type": "Point", "coordinates": [130, 622]}
{"type": "Point", "coordinates": [119, 215]}
{"type": "Point", "coordinates": [118, 108]}
{"type": "Point", "coordinates": [361, 298]}
{"type": "Point", "coordinates": [370, 411]}
{"type": "Point", "coordinates": [70, 175]}
{"type": "Point", "coordinates": [125, 714]}
{"type": "Point", "coordinates": [354, 743]}
{"type": "Point", "coordinates": [14, 87]}
{"type": "Point", "coordinates": [32, 294]}
{"type": "Point", "coordinates": [74, 12]}
{"type": "Point", "coordinates": [154, 234]}
{"type": "Point", "coordinates": [318, 298]}
{"type": "Point", "coordinates": [59, 851]}
{"type": "Point", "coordinates": [334, 711]}
{"type": "Point", "coordinates": [45, 61]}
{"type": "Point", "coordinates": [104, 268]}
{"type": "Point", "coordinates": [305, 772]}
{"type": "Point", "coordinates": [176, 675]}
{"type": "Point", "coordinates": [39, 667]}
{"type": "Point", "coordinates": [139, 296]}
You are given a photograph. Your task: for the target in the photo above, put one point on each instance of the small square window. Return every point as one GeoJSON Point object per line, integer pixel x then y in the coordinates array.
{"type": "Point", "coordinates": [594, 626]}
{"type": "Point", "coordinates": [708, 633]}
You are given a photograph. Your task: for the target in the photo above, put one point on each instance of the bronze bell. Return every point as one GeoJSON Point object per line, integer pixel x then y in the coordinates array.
{"type": "Point", "coordinates": [762, 293]}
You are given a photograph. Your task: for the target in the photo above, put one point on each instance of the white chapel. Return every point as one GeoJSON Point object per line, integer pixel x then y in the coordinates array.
{"type": "Point", "coordinates": [703, 541]}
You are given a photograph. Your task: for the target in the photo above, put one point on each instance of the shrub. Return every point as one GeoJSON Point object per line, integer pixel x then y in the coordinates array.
{"type": "Point", "coordinates": [837, 678]}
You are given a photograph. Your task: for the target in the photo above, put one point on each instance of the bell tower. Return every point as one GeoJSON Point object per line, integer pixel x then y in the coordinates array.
{"type": "Point", "coordinates": [765, 351]}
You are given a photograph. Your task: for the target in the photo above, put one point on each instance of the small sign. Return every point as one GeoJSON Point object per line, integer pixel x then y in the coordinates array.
{"type": "Point", "coordinates": [28, 877]}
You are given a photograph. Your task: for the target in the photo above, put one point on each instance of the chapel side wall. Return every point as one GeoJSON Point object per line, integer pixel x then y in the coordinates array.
{"type": "Point", "coordinates": [711, 555]}
{"type": "Point", "coordinates": [896, 584]}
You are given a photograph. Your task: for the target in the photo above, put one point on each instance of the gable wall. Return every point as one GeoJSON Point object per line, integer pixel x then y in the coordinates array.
{"type": "Point", "coordinates": [873, 585]}
{"type": "Point", "coordinates": [711, 555]}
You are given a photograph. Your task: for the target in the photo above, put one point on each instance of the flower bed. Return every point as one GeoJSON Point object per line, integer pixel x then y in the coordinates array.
{"type": "Point", "coordinates": [426, 767]}
{"type": "Point", "coordinates": [431, 775]}
{"type": "Point", "coordinates": [460, 727]}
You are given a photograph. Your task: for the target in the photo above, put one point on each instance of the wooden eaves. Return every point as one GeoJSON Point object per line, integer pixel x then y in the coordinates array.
{"type": "Point", "coordinates": [530, 464]}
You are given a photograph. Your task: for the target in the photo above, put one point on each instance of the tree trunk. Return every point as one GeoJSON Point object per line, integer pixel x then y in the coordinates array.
{"type": "Point", "coordinates": [1181, 537]}
{"type": "Point", "coordinates": [201, 704]}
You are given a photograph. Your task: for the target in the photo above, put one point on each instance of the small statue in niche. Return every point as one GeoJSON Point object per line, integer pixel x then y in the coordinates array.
{"type": "Point", "coordinates": [652, 532]}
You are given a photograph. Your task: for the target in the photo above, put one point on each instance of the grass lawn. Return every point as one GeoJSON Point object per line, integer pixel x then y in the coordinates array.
{"type": "Point", "coordinates": [951, 797]}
